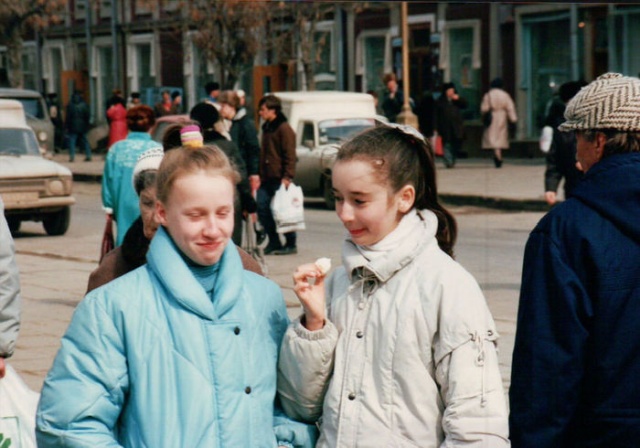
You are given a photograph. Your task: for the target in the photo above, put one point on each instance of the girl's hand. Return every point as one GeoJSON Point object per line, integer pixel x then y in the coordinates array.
{"type": "Point", "coordinates": [308, 284]}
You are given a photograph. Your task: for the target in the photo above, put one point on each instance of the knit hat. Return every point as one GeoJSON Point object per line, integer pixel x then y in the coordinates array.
{"type": "Point", "coordinates": [148, 160]}
{"type": "Point", "coordinates": [191, 137]}
{"type": "Point", "coordinates": [612, 101]}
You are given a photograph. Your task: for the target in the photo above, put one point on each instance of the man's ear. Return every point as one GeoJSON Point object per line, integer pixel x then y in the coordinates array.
{"type": "Point", "coordinates": [406, 198]}
{"type": "Point", "coordinates": [601, 140]}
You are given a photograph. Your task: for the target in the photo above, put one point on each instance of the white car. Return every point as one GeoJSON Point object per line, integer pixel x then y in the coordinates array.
{"type": "Point", "coordinates": [32, 187]}
{"type": "Point", "coordinates": [322, 120]}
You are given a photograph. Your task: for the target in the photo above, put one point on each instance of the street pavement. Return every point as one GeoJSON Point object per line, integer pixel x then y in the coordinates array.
{"type": "Point", "coordinates": [54, 274]}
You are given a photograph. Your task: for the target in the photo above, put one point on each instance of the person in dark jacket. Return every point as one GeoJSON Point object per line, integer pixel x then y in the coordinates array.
{"type": "Point", "coordinates": [575, 378]}
{"type": "Point", "coordinates": [277, 167]}
{"type": "Point", "coordinates": [77, 122]}
{"type": "Point", "coordinates": [561, 158]}
{"type": "Point", "coordinates": [208, 117]}
{"type": "Point", "coordinates": [243, 133]}
{"type": "Point", "coordinates": [449, 122]}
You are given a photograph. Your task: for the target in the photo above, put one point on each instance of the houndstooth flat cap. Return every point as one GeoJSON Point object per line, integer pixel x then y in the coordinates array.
{"type": "Point", "coordinates": [612, 101]}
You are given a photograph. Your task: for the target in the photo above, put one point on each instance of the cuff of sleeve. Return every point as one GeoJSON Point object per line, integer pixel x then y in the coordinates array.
{"type": "Point", "coordinates": [287, 444]}
{"type": "Point", "coordinates": [107, 210]}
{"type": "Point", "coordinates": [326, 332]}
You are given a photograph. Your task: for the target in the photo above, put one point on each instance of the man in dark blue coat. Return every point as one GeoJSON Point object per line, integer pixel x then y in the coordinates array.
{"type": "Point", "coordinates": [575, 378]}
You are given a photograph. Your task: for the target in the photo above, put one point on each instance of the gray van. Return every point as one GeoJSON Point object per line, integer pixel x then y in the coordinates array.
{"type": "Point", "coordinates": [37, 113]}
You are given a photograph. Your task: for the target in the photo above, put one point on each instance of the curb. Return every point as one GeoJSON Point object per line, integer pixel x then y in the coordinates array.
{"type": "Point", "coordinates": [523, 205]}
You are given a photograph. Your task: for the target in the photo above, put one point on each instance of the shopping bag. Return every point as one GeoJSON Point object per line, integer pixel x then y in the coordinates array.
{"type": "Point", "coordinates": [107, 239]}
{"type": "Point", "coordinates": [18, 405]}
{"type": "Point", "coordinates": [438, 150]}
{"type": "Point", "coordinates": [287, 207]}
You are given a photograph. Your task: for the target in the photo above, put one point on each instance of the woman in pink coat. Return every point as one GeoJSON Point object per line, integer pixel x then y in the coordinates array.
{"type": "Point", "coordinates": [117, 116]}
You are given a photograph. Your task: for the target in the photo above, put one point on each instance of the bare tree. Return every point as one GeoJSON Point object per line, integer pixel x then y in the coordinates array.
{"type": "Point", "coordinates": [229, 33]}
{"type": "Point", "coordinates": [15, 17]}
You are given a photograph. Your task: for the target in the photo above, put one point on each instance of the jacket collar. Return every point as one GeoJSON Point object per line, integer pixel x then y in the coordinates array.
{"type": "Point", "coordinates": [173, 274]}
{"type": "Point", "coordinates": [271, 126]}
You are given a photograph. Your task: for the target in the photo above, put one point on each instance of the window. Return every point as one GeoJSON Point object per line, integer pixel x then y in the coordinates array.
{"type": "Point", "coordinates": [141, 65]}
{"type": "Point", "coordinates": [373, 58]}
{"type": "Point", "coordinates": [105, 9]}
{"type": "Point", "coordinates": [307, 134]}
{"type": "Point", "coordinates": [79, 10]}
{"type": "Point", "coordinates": [323, 57]}
{"type": "Point", "coordinates": [460, 60]}
{"type": "Point", "coordinates": [29, 67]}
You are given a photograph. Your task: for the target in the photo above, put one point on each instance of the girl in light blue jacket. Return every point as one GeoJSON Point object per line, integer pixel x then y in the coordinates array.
{"type": "Point", "coordinates": [182, 351]}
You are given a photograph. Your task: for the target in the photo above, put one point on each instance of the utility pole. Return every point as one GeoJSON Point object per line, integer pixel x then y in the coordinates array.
{"type": "Point", "coordinates": [406, 116]}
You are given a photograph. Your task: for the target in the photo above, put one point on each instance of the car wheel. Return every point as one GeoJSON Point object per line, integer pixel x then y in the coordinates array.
{"type": "Point", "coordinates": [327, 192]}
{"type": "Point", "coordinates": [57, 223]}
{"type": "Point", "coordinates": [14, 224]}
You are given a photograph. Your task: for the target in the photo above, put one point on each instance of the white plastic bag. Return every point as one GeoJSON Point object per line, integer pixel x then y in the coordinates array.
{"type": "Point", "coordinates": [546, 138]}
{"type": "Point", "coordinates": [18, 405]}
{"type": "Point", "coordinates": [287, 207]}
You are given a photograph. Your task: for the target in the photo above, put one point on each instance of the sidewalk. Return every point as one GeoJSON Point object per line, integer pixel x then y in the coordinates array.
{"type": "Point", "coordinates": [518, 185]}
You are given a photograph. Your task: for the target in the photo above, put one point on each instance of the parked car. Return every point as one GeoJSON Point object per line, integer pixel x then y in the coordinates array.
{"type": "Point", "coordinates": [36, 112]}
{"type": "Point", "coordinates": [322, 120]}
{"type": "Point", "coordinates": [32, 187]}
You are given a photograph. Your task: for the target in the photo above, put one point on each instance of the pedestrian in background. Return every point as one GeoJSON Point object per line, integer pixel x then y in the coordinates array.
{"type": "Point", "coordinates": [575, 378]}
{"type": "Point", "coordinates": [165, 106]}
{"type": "Point", "coordinates": [209, 120]}
{"type": "Point", "coordinates": [77, 123]}
{"type": "Point", "coordinates": [503, 111]}
{"type": "Point", "coordinates": [392, 98]}
{"type": "Point", "coordinates": [55, 114]}
{"type": "Point", "coordinates": [135, 100]}
{"type": "Point", "coordinates": [243, 133]}
{"type": "Point", "coordinates": [117, 117]}
{"type": "Point", "coordinates": [212, 90]}
{"type": "Point", "coordinates": [183, 351]}
{"type": "Point", "coordinates": [449, 123]}
{"type": "Point", "coordinates": [176, 101]}
{"type": "Point", "coordinates": [277, 167]}
{"type": "Point", "coordinates": [119, 198]}
{"type": "Point", "coordinates": [9, 293]}
{"type": "Point", "coordinates": [404, 352]}
{"type": "Point", "coordinates": [561, 158]}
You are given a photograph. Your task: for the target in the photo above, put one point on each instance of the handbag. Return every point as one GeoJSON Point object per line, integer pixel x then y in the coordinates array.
{"type": "Point", "coordinates": [437, 145]}
{"type": "Point", "coordinates": [107, 238]}
{"type": "Point", "coordinates": [18, 406]}
{"type": "Point", "coordinates": [487, 117]}
{"type": "Point", "coordinates": [287, 207]}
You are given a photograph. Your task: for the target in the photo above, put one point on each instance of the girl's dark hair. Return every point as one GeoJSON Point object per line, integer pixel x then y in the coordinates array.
{"type": "Point", "coordinates": [400, 159]}
{"type": "Point", "coordinates": [144, 180]}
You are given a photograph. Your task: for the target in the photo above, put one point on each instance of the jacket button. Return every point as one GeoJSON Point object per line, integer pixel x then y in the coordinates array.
{"type": "Point", "coordinates": [359, 334]}
{"type": "Point", "coordinates": [247, 390]}
{"type": "Point", "coordinates": [352, 396]}
{"type": "Point", "coordinates": [236, 330]}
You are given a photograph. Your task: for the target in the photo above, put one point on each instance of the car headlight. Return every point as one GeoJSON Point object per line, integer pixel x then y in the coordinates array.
{"type": "Point", "coordinates": [56, 187]}
{"type": "Point", "coordinates": [42, 136]}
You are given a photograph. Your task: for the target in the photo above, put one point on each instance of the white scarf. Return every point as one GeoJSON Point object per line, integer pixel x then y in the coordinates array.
{"type": "Point", "coordinates": [407, 227]}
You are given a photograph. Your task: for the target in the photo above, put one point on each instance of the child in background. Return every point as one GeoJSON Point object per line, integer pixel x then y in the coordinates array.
{"type": "Point", "coordinates": [403, 352]}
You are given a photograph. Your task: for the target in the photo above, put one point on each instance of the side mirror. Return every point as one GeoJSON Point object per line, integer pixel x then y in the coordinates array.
{"type": "Point", "coordinates": [308, 143]}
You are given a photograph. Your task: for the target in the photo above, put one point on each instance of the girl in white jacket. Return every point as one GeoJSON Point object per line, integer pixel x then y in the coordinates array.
{"type": "Point", "coordinates": [397, 347]}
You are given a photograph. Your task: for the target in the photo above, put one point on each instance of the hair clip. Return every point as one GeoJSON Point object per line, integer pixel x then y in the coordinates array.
{"type": "Point", "coordinates": [191, 137]}
{"type": "Point", "coordinates": [407, 130]}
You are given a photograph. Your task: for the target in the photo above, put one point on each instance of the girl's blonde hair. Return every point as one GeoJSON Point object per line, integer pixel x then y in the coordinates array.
{"type": "Point", "coordinates": [402, 158]}
{"type": "Point", "coordinates": [181, 161]}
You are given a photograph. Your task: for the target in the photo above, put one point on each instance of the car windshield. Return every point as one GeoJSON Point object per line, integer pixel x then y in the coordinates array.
{"type": "Point", "coordinates": [18, 142]}
{"type": "Point", "coordinates": [336, 131]}
{"type": "Point", "coordinates": [32, 107]}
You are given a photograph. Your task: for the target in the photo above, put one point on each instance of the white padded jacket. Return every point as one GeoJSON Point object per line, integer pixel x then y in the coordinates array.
{"type": "Point", "coordinates": [407, 357]}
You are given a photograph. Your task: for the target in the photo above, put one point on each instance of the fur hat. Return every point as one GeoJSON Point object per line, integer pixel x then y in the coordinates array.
{"type": "Point", "coordinates": [612, 101]}
{"type": "Point", "coordinates": [148, 160]}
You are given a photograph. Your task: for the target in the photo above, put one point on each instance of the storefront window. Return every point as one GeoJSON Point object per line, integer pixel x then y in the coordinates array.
{"type": "Point", "coordinates": [547, 65]}
{"type": "Point", "coordinates": [463, 75]}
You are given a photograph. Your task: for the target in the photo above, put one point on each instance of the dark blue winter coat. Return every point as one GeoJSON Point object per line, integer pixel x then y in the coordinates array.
{"type": "Point", "coordinates": [576, 362]}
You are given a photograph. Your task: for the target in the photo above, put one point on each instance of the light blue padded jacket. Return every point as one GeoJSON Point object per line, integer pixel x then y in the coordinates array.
{"type": "Point", "coordinates": [149, 360]}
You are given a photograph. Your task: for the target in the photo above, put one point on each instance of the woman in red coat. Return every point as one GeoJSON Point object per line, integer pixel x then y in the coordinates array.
{"type": "Point", "coordinates": [117, 116]}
